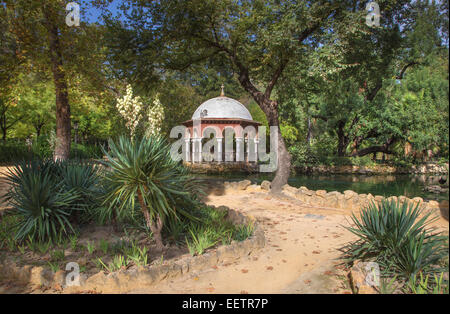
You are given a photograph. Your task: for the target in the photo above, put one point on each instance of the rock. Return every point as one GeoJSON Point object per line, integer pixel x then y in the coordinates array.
{"type": "Point", "coordinates": [265, 185]}
{"type": "Point", "coordinates": [358, 276]}
{"type": "Point", "coordinates": [433, 204]}
{"type": "Point", "coordinates": [59, 278]}
{"type": "Point", "coordinates": [348, 194]}
{"type": "Point", "coordinates": [242, 185]}
{"type": "Point", "coordinates": [392, 199]}
{"type": "Point", "coordinates": [321, 193]}
{"type": "Point", "coordinates": [308, 192]}
{"type": "Point", "coordinates": [402, 199]}
{"type": "Point", "coordinates": [289, 190]}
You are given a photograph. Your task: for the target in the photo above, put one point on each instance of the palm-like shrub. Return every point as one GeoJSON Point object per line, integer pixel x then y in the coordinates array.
{"type": "Point", "coordinates": [142, 172]}
{"type": "Point", "coordinates": [38, 197]}
{"type": "Point", "coordinates": [83, 179]}
{"type": "Point", "coordinates": [397, 237]}
{"type": "Point", "coordinates": [46, 195]}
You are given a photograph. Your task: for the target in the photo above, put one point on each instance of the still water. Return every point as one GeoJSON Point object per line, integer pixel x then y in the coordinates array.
{"type": "Point", "coordinates": [385, 185]}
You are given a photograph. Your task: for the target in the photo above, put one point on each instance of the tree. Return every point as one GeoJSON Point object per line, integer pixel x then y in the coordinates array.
{"type": "Point", "coordinates": [46, 44]}
{"type": "Point", "coordinates": [258, 39]}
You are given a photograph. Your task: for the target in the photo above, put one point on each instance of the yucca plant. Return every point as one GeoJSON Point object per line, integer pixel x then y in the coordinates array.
{"type": "Point", "coordinates": [143, 172]}
{"type": "Point", "coordinates": [396, 236]}
{"type": "Point", "coordinates": [39, 200]}
{"type": "Point", "coordinates": [83, 180]}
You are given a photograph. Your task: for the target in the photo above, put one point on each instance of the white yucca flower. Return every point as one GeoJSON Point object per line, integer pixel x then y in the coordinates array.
{"type": "Point", "coordinates": [155, 117]}
{"type": "Point", "coordinates": [130, 108]}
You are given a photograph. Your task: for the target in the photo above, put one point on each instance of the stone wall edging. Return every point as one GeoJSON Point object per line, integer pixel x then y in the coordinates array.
{"type": "Point", "coordinates": [427, 168]}
{"type": "Point", "coordinates": [124, 280]}
{"type": "Point", "coordinates": [348, 200]}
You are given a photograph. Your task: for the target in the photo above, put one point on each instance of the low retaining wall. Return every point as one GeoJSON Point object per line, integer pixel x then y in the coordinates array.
{"type": "Point", "coordinates": [347, 200]}
{"type": "Point", "coordinates": [428, 168]}
{"type": "Point", "coordinates": [142, 277]}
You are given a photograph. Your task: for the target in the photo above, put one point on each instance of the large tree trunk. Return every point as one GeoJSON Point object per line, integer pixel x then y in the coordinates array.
{"type": "Point", "coordinates": [284, 158]}
{"type": "Point", "coordinates": [62, 147]}
{"type": "Point", "coordinates": [342, 139]}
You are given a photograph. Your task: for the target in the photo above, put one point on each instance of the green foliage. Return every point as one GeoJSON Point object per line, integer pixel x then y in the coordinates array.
{"type": "Point", "coordinates": [396, 236]}
{"type": "Point", "coordinates": [117, 263]}
{"type": "Point", "coordinates": [90, 247]}
{"type": "Point", "coordinates": [57, 255]}
{"type": "Point", "coordinates": [13, 151]}
{"type": "Point", "coordinates": [39, 199]}
{"type": "Point", "coordinates": [104, 245]}
{"type": "Point", "coordinates": [144, 174]}
{"type": "Point", "coordinates": [428, 285]}
{"type": "Point", "coordinates": [45, 194]}
{"type": "Point", "coordinates": [201, 239]}
{"type": "Point", "coordinates": [10, 151]}
{"type": "Point", "coordinates": [137, 255]}
{"type": "Point", "coordinates": [243, 232]}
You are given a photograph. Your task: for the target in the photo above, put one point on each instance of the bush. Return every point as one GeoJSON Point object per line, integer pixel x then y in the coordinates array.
{"type": "Point", "coordinates": [14, 151]}
{"type": "Point", "coordinates": [40, 149]}
{"type": "Point", "coordinates": [80, 151]}
{"type": "Point", "coordinates": [395, 236]}
{"type": "Point", "coordinates": [45, 194]}
{"type": "Point", "coordinates": [143, 173]}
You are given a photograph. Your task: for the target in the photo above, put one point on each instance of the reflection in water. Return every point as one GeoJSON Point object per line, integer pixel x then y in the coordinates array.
{"type": "Point", "coordinates": [385, 185]}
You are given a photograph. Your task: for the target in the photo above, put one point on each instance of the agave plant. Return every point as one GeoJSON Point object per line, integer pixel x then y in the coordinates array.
{"type": "Point", "coordinates": [143, 173]}
{"type": "Point", "coordinates": [398, 237]}
{"type": "Point", "coordinates": [39, 200]}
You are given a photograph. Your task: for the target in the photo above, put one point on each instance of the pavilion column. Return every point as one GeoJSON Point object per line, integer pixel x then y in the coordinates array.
{"type": "Point", "coordinates": [193, 150]}
{"type": "Point", "coordinates": [247, 142]}
{"type": "Point", "coordinates": [256, 148]}
{"type": "Point", "coordinates": [219, 150]}
{"type": "Point", "coordinates": [188, 145]}
{"type": "Point", "coordinates": [239, 150]}
{"type": "Point", "coordinates": [199, 150]}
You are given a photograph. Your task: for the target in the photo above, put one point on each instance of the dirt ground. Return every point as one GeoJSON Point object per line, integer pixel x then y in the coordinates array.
{"type": "Point", "coordinates": [300, 256]}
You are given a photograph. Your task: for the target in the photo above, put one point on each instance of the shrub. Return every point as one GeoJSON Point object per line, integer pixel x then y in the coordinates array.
{"type": "Point", "coordinates": [39, 199]}
{"type": "Point", "coordinates": [13, 151]}
{"type": "Point", "coordinates": [396, 237]}
{"type": "Point", "coordinates": [143, 173]}
{"type": "Point", "coordinates": [84, 151]}
{"type": "Point", "coordinates": [45, 194]}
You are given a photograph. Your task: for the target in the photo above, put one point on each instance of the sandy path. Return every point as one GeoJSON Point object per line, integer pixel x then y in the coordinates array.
{"type": "Point", "coordinates": [299, 256]}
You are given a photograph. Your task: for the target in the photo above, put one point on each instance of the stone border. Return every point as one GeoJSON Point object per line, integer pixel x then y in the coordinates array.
{"type": "Point", "coordinates": [336, 200]}
{"type": "Point", "coordinates": [123, 281]}
{"type": "Point", "coordinates": [425, 168]}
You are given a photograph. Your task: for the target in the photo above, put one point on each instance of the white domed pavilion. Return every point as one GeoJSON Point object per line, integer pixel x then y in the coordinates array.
{"type": "Point", "coordinates": [213, 118]}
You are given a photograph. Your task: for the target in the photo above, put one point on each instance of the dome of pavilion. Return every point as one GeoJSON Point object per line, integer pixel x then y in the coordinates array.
{"type": "Point", "coordinates": [222, 107]}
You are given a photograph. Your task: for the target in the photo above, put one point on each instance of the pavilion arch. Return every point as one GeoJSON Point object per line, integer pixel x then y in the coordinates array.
{"type": "Point", "coordinates": [221, 114]}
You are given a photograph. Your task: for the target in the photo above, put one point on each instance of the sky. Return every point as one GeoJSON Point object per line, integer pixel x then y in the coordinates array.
{"type": "Point", "coordinates": [94, 14]}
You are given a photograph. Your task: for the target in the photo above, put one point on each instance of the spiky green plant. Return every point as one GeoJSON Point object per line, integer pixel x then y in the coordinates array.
{"type": "Point", "coordinates": [82, 179]}
{"type": "Point", "coordinates": [39, 200]}
{"type": "Point", "coordinates": [202, 238]}
{"type": "Point", "coordinates": [396, 236]}
{"type": "Point", "coordinates": [143, 172]}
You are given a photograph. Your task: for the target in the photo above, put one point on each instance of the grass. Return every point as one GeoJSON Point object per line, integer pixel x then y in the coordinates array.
{"type": "Point", "coordinates": [117, 263]}
{"type": "Point", "coordinates": [201, 240]}
{"type": "Point", "coordinates": [90, 247]}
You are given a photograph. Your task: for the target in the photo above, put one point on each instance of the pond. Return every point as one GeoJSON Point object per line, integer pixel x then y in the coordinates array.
{"type": "Point", "coordinates": [385, 185]}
